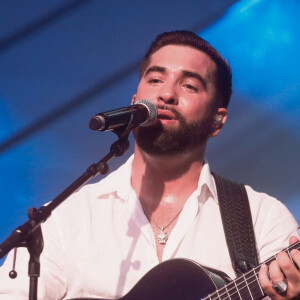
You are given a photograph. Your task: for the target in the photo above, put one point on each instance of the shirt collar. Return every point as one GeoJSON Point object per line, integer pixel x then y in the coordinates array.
{"type": "Point", "coordinates": [206, 180]}
{"type": "Point", "coordinates": [119, 181]}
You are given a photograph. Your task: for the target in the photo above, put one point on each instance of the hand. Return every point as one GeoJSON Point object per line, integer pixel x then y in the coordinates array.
{"type": "Point", "coordinates": [282, 269]}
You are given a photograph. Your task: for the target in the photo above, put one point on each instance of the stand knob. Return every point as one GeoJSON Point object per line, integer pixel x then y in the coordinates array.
{"type": "Point", "coordinates": [13, 274]}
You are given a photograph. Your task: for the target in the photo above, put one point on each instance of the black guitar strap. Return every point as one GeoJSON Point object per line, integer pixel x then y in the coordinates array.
{"type": "Point", "coordinates": [237, 223]}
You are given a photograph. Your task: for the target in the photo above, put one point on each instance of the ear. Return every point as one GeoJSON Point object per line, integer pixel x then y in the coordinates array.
{"type": "Point", "coordinates": [133, 99]}
{"type": "Point", "coordinates": [220, 117]}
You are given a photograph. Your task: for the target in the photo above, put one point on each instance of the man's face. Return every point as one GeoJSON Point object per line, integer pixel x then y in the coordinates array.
{"type": "Point", "coordinates": [180, 82]}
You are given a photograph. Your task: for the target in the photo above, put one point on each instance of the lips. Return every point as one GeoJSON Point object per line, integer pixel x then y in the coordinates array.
{"type": "Point", "coordinates": [165, 115]}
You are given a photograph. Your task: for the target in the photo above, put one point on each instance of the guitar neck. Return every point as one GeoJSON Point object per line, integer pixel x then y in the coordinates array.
{"type": "Point", "coordinates": [246, 286]}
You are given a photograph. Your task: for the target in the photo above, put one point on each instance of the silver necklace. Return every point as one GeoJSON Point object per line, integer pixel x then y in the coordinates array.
{"type": "Point", "coordinates": [162, 236]}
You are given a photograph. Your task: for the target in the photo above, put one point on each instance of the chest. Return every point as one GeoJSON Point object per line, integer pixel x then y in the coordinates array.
{"type": "Point", "coordinates": [107, 258]}
{"type": "Point", "coordinates": [110, 267]}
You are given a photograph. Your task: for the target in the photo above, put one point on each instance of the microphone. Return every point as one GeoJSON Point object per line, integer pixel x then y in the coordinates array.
{"type": "Point", "coordinates": [142, 113]}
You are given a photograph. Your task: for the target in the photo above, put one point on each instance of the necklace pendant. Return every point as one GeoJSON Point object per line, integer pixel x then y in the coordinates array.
{"type": "Point", "coordinates": [162, 236]}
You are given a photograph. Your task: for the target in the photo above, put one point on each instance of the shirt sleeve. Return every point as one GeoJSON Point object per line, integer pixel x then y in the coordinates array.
{"type": "Point", "coordinates": [273, 224]}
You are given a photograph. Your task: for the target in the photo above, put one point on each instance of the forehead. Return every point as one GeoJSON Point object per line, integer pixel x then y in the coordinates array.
{"type": "Point", "coordinates": [174, 57]}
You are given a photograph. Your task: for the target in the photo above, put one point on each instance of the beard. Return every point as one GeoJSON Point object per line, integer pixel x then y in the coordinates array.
{"type": "Point", "coordinates": [157, 140]}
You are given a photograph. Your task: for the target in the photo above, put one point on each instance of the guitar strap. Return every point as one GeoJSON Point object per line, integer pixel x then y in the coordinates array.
{"type": "Point", "coordinates": [237, 223]}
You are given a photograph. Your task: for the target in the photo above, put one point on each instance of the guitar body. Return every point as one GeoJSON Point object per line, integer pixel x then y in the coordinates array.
{"type": "Point", "coordinates": [176, 279]}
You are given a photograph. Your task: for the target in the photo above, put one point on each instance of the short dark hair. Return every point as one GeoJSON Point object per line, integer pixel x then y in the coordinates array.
{"type": "Point", "coordinates": [190, 39]}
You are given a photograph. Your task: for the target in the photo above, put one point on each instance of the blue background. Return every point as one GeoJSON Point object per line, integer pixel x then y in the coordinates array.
{"type": "Point", "coordinates": [54, 53]}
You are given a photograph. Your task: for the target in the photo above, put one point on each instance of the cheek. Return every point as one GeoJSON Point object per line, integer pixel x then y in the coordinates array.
{"type": "Point", "coordinates": [191, 106]}
{"type": "Point", "coordinates": [144, 91]}
{"type": "Point", "coordinates": [196, 112]}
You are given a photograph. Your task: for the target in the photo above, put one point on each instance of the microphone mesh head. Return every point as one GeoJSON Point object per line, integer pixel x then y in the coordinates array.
{"type": "Point", "coordinates": [151, 109]}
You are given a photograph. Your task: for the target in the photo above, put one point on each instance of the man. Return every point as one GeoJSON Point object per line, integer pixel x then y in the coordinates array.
{"type": "Point", "coordinates": [162, 203]}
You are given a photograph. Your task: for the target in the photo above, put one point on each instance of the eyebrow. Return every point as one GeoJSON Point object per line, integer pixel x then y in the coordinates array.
{"type": "Point", "coordinates": [185, 73]}
{"type": "Point", "coordinates": [155, 69]}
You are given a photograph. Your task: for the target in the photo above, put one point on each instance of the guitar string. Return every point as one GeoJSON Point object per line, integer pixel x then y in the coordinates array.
{"type": "Point", "coordinates": [235, 289]}
{"type": "Point", "coordinates": [255, 275]}
{"type": "Point", "coordinates": [230, 293]}
{"type": "Point", "coordinates": [244, 282]}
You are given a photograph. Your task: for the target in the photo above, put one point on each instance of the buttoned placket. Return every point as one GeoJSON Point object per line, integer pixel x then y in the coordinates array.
{"type": "Point", "coordinates": [136, 211]}
{"type": "Point", "coordinates": [185, 221]}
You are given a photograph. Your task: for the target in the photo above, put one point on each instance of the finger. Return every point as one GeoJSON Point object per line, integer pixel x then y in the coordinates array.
{"type": "Point", "coordinates": [265, 282]}
{"type": "Point", "coordinates": [288, 267]}
{"type": "Point", "coordinates": [293, 239]}
{"type": "Point", "coordinates": [275, 272]}
{"type": "Point", "coordinates": [295, 254]}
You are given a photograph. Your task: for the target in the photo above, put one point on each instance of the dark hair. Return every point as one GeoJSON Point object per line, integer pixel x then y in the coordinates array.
{"type": "Point", "coordinates": [190, 39]}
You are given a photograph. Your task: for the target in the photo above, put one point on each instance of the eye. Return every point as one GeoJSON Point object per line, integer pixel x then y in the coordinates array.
{"type": "Point", "coordinates": [191, 87]}
{"type": "Point", "coordinates": [154, 80]}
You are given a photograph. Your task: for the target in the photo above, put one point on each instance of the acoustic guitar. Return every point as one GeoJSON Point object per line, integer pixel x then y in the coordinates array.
{"type": "Point", "coordinates": [184, 279]}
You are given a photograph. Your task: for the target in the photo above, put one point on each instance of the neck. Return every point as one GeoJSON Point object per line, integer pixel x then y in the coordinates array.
{"type": "Point", "coordinates": [165, 179]}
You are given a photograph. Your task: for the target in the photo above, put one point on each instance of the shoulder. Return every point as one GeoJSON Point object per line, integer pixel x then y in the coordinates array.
{"type": "Point", "coordinates": [273, 223]}
{"type": "Point", "coordinates": [264, 205]}
{"type": "Point", "coordinates": [261, 204]}
{"type": "Point", "coordinates": [98, 194]}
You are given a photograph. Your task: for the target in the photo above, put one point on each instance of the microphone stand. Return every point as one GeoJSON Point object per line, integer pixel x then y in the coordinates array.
{"type": "Point", "coordinates": [30, 235]}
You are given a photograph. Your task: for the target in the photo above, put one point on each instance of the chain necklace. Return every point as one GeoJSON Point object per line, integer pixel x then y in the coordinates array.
{"type": "Point", "coordinates": [162, 236]}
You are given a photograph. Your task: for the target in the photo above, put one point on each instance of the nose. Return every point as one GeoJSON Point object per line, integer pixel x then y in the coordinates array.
{"type": "Point", "coordinates": [167, 94]}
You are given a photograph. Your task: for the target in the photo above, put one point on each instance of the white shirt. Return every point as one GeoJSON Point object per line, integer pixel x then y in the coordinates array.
{"type": "Point", "coordinates": [99, 243]}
